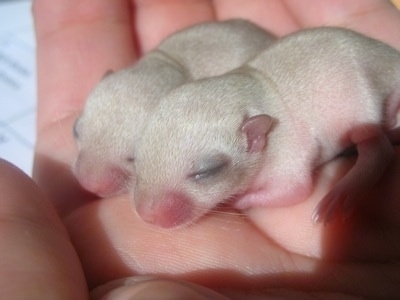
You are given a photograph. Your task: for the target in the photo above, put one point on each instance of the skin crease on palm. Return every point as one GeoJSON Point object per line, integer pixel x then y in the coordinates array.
{"type": "Point", "coordinates": [272, 251]}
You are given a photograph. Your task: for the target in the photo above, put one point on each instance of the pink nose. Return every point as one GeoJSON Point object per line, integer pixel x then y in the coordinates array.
{"type": "Point", "coordinates": [111, 182]}
{"type": "Point", "coordinates": [169, 210]}
{"type": "Point", "coordinates": [101, 180]}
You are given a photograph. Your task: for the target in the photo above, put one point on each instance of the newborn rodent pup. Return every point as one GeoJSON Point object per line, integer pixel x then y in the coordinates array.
{"type": "Point", "coordinates": [117, 110]}
{"type": "Point", "coordinates": [255, 135]}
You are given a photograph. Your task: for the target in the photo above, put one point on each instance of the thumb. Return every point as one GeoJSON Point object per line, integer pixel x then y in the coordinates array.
{"type": "Point", "coordinates": [37, 259]}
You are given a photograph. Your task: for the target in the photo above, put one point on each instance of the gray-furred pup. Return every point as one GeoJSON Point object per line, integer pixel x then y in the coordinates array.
{"type": "Point", "coordinates": [109, 129]}
{"type": "Point", "coordinates": [256, 134]}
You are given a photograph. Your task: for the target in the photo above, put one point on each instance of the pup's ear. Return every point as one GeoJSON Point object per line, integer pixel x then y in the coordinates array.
{"type": "Point", "coordinates": [256, 129]}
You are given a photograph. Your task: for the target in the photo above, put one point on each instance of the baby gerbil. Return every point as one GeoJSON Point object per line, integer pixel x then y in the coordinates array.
{"type": "Point", "coordinates": [119, 107]}
{"type": "Point", "coordinates": [256, 135]}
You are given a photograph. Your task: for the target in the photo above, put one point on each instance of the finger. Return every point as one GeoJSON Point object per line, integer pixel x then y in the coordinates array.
{"type": "Point", "coordinates": [37, 258]}
{"type": "Point", "coordinates": [375, 18]}
{"type": "Point", "coordinates": [272, 15]}
{"type": "Point", "coordinates": [77, 41]}
{"type": "Point", "coordinates": [218, 252]}
{"type": "Point", "coordinates": [370, 234]}
{"type": "Point", "coordinates": [223, 242]}
{"type": "Point", "coordinates": [156, 19]}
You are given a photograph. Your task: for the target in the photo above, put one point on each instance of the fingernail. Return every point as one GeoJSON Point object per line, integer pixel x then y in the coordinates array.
{"type": "Point", "coordinates": [147, 287]}
{"type": "Point", "coordinates": [100, 291]}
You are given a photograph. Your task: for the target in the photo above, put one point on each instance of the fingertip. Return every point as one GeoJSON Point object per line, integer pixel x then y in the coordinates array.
{"type": "Point", "coordinates": [155, 20]}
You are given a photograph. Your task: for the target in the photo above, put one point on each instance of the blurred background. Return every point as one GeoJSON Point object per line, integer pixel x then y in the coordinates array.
{"type": "Point", "coordinates": [17, 83]}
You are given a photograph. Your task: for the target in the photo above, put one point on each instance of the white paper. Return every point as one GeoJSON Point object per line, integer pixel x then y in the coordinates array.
{"type": "Point", "coordinates": [17, 84]}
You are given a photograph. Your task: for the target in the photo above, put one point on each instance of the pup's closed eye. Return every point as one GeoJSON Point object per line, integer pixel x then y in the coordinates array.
{"type": "Point", "coordinates": [210, 167]}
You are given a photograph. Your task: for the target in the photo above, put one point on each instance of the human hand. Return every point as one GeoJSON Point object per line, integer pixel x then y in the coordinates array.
{"type": "Point", "coordinates": [79, 40]}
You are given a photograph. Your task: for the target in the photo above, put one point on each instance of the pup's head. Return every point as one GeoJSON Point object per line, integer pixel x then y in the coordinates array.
{"type": "Point", "coordinates": [104, 138]}
{"type": "Point", "coordinates": [110, 127]}
{"type": "Point", "coordinates": [202, 146]}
